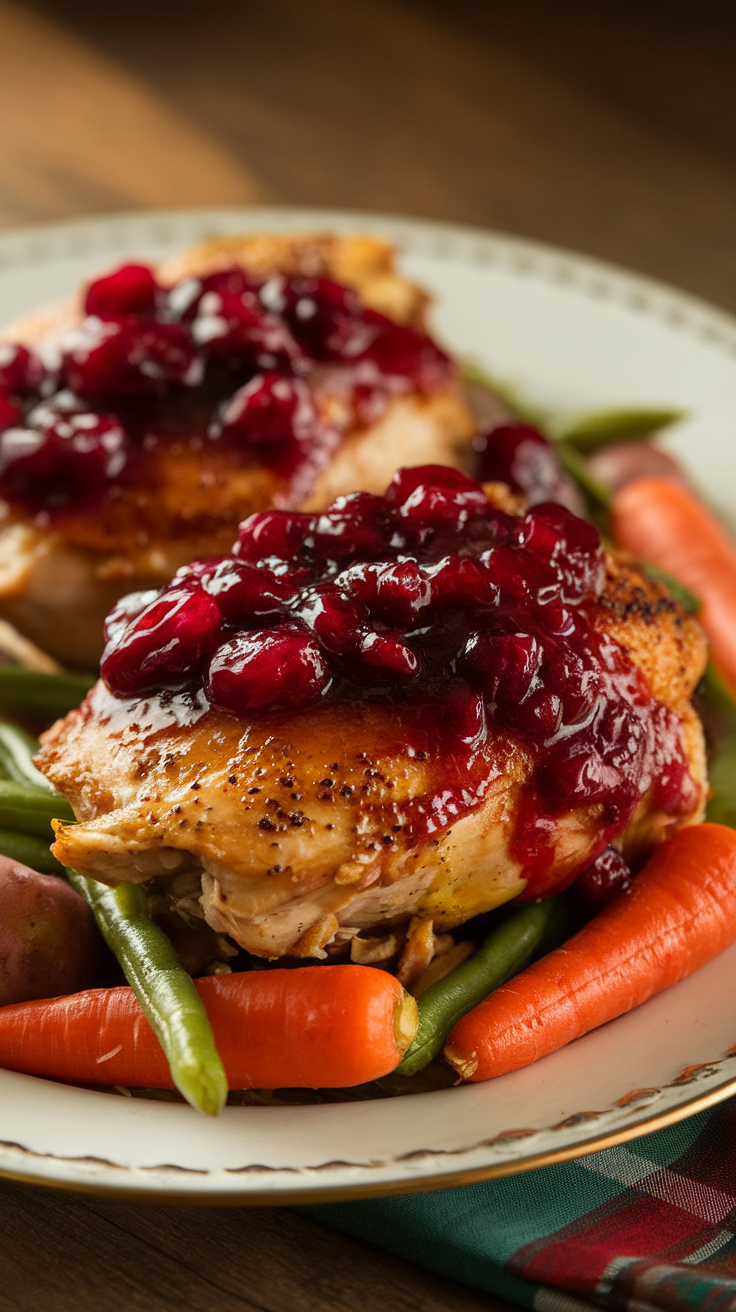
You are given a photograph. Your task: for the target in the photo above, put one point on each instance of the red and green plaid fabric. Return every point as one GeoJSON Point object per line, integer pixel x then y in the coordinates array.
{"type": "Point", "coordinates": [647, 1225]}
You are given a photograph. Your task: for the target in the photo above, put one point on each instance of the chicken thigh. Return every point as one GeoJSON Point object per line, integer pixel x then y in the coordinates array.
{"type": "Point", "coordinates": [149, 420]}
{"type": "Point", "coordinates": [546, 716]}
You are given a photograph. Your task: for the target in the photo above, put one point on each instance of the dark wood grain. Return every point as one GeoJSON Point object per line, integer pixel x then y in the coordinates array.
{"type": "Point", "coordinates": [604, 127]}
{"type": "Point", "coordinates": [608, 127]}
{"type": "Point", "coordinates": [71, 1254]}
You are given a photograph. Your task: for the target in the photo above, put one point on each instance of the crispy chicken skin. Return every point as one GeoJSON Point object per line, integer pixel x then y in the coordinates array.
{"type": "Point", "coordinates": [56, 587]}
{"type": "Point", "coordinates": [297, 825]}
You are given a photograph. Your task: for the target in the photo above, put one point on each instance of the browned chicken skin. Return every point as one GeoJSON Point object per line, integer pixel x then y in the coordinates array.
{"type": "Point", "coordinates": [301, 827]}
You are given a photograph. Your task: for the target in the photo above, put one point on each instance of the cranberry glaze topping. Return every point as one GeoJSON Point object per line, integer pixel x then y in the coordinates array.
{"type": "Point", "coordinates": [222, 364]}
{"type": "Point", "coordinates": [519, 455]}
{"type": "Point", "coordinates": [605, 879]}
{"type": "Point", "coordinates": [472, 624]}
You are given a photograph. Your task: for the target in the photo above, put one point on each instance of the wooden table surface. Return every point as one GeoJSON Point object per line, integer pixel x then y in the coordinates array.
{"type": "Point", "coordinates": [604, 127]}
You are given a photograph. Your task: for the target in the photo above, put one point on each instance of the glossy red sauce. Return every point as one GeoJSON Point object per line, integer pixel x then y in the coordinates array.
{"type": "Point", "coordinates": [472, 623]}
{"type": "Point", "coordinates": [222, 366]}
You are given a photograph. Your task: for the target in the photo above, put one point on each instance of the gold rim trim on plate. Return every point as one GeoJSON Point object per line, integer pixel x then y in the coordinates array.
{"type": "Point", "coordinates": [112, 235]}
{"type": "Point", "coordinates": [390, 1188]}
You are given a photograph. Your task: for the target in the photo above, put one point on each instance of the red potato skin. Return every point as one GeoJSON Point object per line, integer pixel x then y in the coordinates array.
{"type": "Point", "coordinates": [48, 940]}
{"type": "Point", "coordinates": [311, 1027]}
{"type": "Point", "coordinates": [623, 462]}
{"type": "Point", "coordinates": [678, 915]}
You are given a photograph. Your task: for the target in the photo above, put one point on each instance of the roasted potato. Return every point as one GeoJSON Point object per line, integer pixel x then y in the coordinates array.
{"type": "Point", "coordinates": [49, 944]}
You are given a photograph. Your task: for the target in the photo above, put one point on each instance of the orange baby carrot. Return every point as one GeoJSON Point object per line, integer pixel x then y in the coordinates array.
{"type": "Point", "coordinates": [659, 521]}
{"type": "Point", "coordinates": [313, 1027]}
{"type": "Point", "coordinates": [679, 914]}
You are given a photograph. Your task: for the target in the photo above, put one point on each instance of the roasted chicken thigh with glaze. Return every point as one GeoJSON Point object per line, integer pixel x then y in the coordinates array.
{"type": "Point", "coordinates": [408, 709]}
{"type": "Point", "coordinates": [140, 424]}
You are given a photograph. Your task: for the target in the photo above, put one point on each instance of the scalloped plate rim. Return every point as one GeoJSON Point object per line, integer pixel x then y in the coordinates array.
{"type": "Point", "coordinates": [104, 238]}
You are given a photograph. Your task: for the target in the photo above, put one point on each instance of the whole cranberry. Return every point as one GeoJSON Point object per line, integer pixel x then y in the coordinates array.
{"type": "Point", "coordinates": [10, 415]}
{"type": "Point", "coordinates": [509, 570]}
{"type": "Point", "coordinates": [275, 668]}
{"type": "Point", "coordinates": [570, 544]}
{"type": "Point", "coordinates": [125, 610]}
{"type": "Point", "coordinates": [540, 716]}
{"type": "Point", "coordinates": [354, 525]}
{"type": "Point", "coordinates": [131, 289]}
{"type": "Point", "coordinates": [463, 583]}
{"type": "Point", "coordinates": [461, 714]}
{"type": "Point", "coordinates": [275, 534]}
{"type": "Point", "coordinates": [191, 574]}
{"type": "Point", "coordinates": [433, 499]}
{"type": "Point", "coordinates": [168, 645]}
{"type": "Point", "coordinates": [575, 677]}
{"type": "Point", "coordinates": [65, 456]}
{"type": "Point", "coordinates": [233, 330]}
{"type": "Point", "coordinates": [245, 594]}
{"type": "Point", "coordinates": [402, 351]}
{"type": "Point", "coordinates": [520, 456]}
{"type": "Point", "coordinates": [397, 593]}
{"type": "Point", "coordinates": [605, 879]}
{"type": "Point", "coordinates": [129, 357]}
{"type": "Point", "coordinates": [269, 413]}
{"type": "Point", "coordinates": [184, 297]}
{"type": "Point", "coordinates": [579, 770]}
{"type": "Point", "coordinates": [505, 665]}
{"type": "Point", "coordinates": [336, 620]}
{"type": "Point", "coordinates": [389, 656]}
{"type": "Point", "coordinates": [21, 371]}
{"type": "Point", "coordinates": [326, 318]}
{"type": "Point", "coordinates": [407, 480]}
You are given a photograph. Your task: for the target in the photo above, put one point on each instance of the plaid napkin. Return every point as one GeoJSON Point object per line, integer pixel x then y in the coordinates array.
{"type": "Point", "coordinates": [647, 1225]}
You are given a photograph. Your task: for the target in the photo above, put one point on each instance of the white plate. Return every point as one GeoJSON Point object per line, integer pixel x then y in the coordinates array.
{"type": "Point", "coordinates": [572, 333]}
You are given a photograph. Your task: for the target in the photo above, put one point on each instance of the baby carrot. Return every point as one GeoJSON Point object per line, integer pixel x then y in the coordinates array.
{"type": "Point", "coordinates": [678, 915]}
{"type": "Point", "coordinates": [659, 521]}
{"type": "Point", "coordinates": [313, 1027]}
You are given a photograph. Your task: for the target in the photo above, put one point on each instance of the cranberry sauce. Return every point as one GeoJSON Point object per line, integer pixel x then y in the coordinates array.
{"type": "Point", "coordinates": [220, 364]}
{"type": "Point", "coordinates": [604, 879]}
{"type": "Point", "coordinates": [521, 456]}
{"type": "Point", "coordinates": [473, 624]}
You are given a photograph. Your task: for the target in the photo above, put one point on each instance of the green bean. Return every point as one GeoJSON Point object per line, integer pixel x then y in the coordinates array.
{"type": "Point", "coordinates": [529, 933]}
{"type": "Point", "coordinates": [686, 598]}
{"type": "Point", "coordinates": [149, 962]}
{"type": "Point", "coordinates": [27, 803]}
{"type": "Point", "coordinates": [719, 700]}
{"type": "Point", "coordinates": [30, 851]}
{"type": "Point", "coordinates": [43, 696]}
{"type": "Point", "coordinates": [576, 466]}
{"type": "Point", "coordinates": [17, 750]}
{"type": "Point", "coordinates": [720, 709]}
{"type": "Point", "coordinates": [596, 429]}
{"type": "Point", "coordinates": [168, 997]}
{"type": "Point", "coordinates": [721, 807]}
{"type": "Point", "coordinates": [31, 810]}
